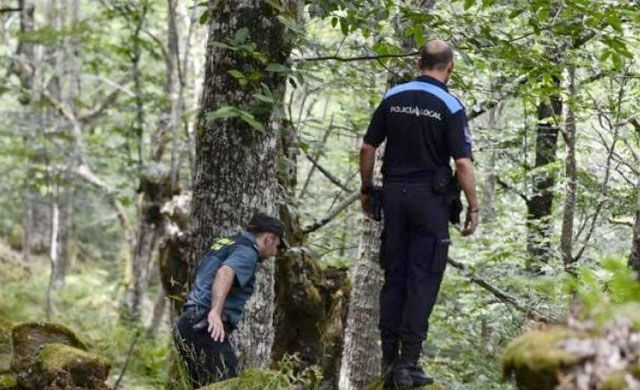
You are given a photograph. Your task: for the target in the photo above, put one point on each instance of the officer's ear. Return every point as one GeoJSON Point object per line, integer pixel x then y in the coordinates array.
{"type": "Point", "coordinates": [450, 68]}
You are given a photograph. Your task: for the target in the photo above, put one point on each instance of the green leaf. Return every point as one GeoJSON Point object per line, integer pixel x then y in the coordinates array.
{"type": "Point", "coordinates": [275, 67]}
{"type": "Point", "coordinates": [204, 17]}
{"type": "Point", "coordinates": [468, 4]}
{"type": "Point", "coordinates": [334, 21]}
{"type": "Point", "coordinates": [241, 35]}
{"type": "Point", "coordinates": [248, 118]}
{"type": "Point", "coordinates": [236, 74]}
{"type": "Point", "coordinates": [223, 112]}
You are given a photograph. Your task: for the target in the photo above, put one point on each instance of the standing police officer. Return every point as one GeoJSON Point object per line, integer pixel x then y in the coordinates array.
{"type": "Point", "coordinates": [424, 127]}
{"type": "Point", "coordinates": [223, 283]}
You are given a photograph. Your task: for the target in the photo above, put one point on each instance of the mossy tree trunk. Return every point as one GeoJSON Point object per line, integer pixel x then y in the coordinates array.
{"type": "Point", "coordinates": [235, 166]}
{"type": "Point", "coordinates": [310, 301]}
{"type": "Point", "coordinates": [540, 206]}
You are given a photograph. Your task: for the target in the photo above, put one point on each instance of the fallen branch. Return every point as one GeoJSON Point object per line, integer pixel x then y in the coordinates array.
{"type": "Point", "coordinates": [509, 299]}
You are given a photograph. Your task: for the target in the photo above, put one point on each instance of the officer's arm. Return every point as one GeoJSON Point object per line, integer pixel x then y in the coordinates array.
{"type": "Point", "coordinates": [221, 286]}
{"type": "Point", "coordinates": [464, 168]}
{"type": "Point", "coordinates": [367, 160]}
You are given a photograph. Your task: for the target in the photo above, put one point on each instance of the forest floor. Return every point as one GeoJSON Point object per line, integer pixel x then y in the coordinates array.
{"type": "Point", "coordinates": [463, 350]}
{"type": "Point", "coordinates": [89, 305]}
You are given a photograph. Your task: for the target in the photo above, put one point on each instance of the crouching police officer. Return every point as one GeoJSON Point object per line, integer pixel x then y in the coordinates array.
{"type": "Point", "coordinates": [223, 283]}
{"type": "Point", "coordinates": [424, 126]}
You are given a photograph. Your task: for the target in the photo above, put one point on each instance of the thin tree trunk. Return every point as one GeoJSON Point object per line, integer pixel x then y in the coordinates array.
{"type": "Point", "coordinates": [53, 255]}
{"type": "Point", "coordinates": [235, 168]}
{"type": "Point", "coordinates": [361, 354]}
{"type": "Point", "coordinates": [634, 257]}
{"type": "Point", "coordinates": [489, 182]}
{"type": "Point", "coordinates": [566, 238]}
{"type": "Point", "coordinates": [540, 207]}
{"type": "Point", "coordinates": [159, 307]}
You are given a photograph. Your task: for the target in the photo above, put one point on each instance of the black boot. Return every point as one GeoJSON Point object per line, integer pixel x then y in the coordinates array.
{"type": "Point", "coordinates": [418, 376]}
{"type": "Point", "coordinates": [400, 378]}
{"type": "Point", "coordinates": [408, 365]}
{"type": "Point", "coordinates": [390, 354]}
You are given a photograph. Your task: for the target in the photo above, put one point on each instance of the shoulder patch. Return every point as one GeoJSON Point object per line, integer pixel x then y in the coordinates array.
{"type": "Point", "coordinates": [221, 243]}
{"type": "Point", "coordinates": [449, 100]}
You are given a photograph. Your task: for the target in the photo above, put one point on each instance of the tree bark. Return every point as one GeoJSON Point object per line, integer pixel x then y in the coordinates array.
{"type": "Point", "coordinates": [540, 207]}
{"type": "Point", "coordinates": [361, 354]}
{"type": "Point", "coordinates": [634, 257]}
{"type": "Point", "coordinates": [571, 186]}
{"type": "Point", "coordinates": [235, 170]}
{"type": "Point", "coordinates": [489, 180]}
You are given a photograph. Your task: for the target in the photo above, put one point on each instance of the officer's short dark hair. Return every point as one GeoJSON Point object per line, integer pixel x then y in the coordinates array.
{"type": "Point", "coordinates": [431, 58]}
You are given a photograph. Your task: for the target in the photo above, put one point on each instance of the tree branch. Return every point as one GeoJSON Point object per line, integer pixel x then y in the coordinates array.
{"type": "Point", "coordinates": [328, 174]}
{"type": "Point", "coordinates": [509, 187]}
{"type": "Point", "coordinates": [99, 109]}
{"type": "Point", "coordinates": [360, 58]}
{"type": "Point", "coordinates": [509, 299]}
{"type": "Point", "coordinates": [620, 222]}
{"type": "Point", "coordinates": [334, 213]}
{"type": "Point", "coordinates": [8, 9]}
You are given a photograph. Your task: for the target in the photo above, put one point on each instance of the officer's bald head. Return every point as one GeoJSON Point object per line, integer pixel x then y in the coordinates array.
{"type": "Point", "coordinates": [436, 55]}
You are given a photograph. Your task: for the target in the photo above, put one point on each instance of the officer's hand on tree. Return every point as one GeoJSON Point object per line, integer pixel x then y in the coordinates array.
{"type": "Point", "coordinates": [471, 221]}
{"type": "Point", "coordinates": [216, 328]}
{"type": "Point", "coordinates": [365, 201]}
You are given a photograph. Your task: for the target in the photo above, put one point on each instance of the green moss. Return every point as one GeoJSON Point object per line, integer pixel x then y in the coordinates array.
{"type": "Point", "coordinates": [8, 382]}
{"type": "Point", "coordinates": [377, 385]}
{"type": "Point", "coordinates": [253, 379]}
{"type": "Point", "coordinates": [15, 238]}
{"type": "Point", "coordinates": [79, 368]}
{"type": "Point", "coordinates": [28, 338]}
{"type": "Point", "coordinates": [614, 381]}
{"type": "Point", "coordinates": [5, 345]}
{"type": "Point", "coordinates": [634, 369]}
{"type": "Point", "coordinates": [535, 359]}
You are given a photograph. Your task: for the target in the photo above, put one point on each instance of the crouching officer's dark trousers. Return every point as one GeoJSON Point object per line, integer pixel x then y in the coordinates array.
{"type": "Point", "coordinates": [413, 255]}
{"type": "Point", "coordinates": [207, 361]}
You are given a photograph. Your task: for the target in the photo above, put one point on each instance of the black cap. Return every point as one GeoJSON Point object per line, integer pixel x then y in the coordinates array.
{"type": "Point", "coordinates": [262, 223]}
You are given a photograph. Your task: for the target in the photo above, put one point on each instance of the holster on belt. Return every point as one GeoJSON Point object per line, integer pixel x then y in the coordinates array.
{"type": "Point", "coordinates": [445, 182]}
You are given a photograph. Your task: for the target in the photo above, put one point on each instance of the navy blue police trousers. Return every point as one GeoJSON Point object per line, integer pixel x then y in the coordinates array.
{"type": "Point", "coordinates": [413, 255]}
{"type": "Point", "coordinates": [206, 361]}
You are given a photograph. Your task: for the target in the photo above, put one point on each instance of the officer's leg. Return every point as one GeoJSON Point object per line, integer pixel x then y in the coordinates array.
{"type": "Point", "coordinates": [426, 260]}
{"type": "Point", "coordinates": [191, 350]}
{"type": "Point", "coordinates": [393, 260]}
{"type": "Point", "coordinates": [224, 362]}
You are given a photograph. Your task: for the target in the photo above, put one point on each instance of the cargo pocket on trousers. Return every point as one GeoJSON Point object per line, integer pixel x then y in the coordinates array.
{"type": "Point", "coordinates": [440, 254]}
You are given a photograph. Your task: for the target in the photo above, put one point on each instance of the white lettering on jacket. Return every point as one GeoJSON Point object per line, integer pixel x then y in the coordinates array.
{"type": "Point", "coordinates": [417, 111]}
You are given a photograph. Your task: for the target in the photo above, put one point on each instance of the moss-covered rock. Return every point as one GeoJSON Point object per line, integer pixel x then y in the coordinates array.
{"type": "Point", "coordinates": [8, 381]}
{"type": "Point", "coordinates": [60, 365]}
{"type": "Point", "coordinates": [614, 381]}
{"type": "Point", "coordinates": [5, 345]}
{"type": "Point", "coordinates": [28, 338]}
{"type": "Point", "coordinates": [253, 379]}
{"type": "Point", "coordinates": [536, 359]}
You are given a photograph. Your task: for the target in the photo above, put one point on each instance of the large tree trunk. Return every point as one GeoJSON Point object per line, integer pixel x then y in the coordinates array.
{"type": "Point", "coordinates": [235, 170]}
{"type": "Point", "coordinates": [539, 208]}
